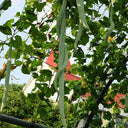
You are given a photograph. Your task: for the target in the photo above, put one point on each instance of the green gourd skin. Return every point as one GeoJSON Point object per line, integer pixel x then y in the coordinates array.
{"type": "Point", "coordinates": [63, 60]}
{"type": "Point", "coordinates": [61, 77]}
{"type": "Point", "coordinates": [61, 69]}
{"type": "Point", "coordinates": [82, 21]}
{"type": "Point", "coordinates": [60, 17]}
{"type": "Point", "coordinates": [7, 79]}
{"type": "Point", "coordinates": [78, 35]}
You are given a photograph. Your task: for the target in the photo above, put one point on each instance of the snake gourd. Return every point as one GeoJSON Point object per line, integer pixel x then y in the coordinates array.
{"type": "Point", "coordinates": [82, 21]}
{"type": "Point", "coordinates": [112, 25]}
{"type": "Point", "coordinates": [61, 69]}
{"type": "Point", "coordinates": [60, 17]}
{"type": "Point", "coordinates": [4, 99]}
{"type": "Point", "coordinates": [63, 60]}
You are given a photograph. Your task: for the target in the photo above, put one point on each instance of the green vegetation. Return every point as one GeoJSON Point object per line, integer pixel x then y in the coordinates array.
{"type": "Point", "coordinates": [103, 66]}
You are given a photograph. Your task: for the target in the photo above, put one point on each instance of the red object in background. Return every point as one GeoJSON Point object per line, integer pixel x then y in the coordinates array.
{"type": "Point", "coordinates": [58, 40]}
{"type": "Point", "coordinates": [70, 76]}
{"type": "Point", "coordinates": [117, 99]}
{"type": "Point", "coordinates": [50, 60]}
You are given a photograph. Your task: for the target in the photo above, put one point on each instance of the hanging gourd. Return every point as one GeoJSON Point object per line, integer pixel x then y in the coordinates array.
{"type": "Point", "coordinates": [7, 76]}
{"type": "Point", "coordinates": [63, 60]}
{"type": "Point", "coordinates": [82, 21]}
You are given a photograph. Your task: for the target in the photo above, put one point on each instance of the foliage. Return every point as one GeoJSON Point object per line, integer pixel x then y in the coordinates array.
{"type": "Point", "coordinates": [33, 108]}
{"type": "Point", "coordinates": [20, 106]}
{"type": "Point", "coordinates": [17, 104]}
{"type": "Point", "coordinates": [103, 63]}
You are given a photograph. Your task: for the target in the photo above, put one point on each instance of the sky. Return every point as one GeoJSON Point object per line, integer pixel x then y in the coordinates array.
{"type": "Point", "coordinates": [17, 76]}
{"type": "Point", "coordinates": [17, 5]}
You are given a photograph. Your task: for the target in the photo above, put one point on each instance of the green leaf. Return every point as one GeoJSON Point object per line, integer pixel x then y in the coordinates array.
{"type": "Point", "coordinates": [25, 69]}
{"type": "Point", "coordinates": [121, 38]}
{"type": "Point", "coordinates": [30, 16]}
{"type": "Point", "coordinates": [53, 31]}
{"type": "Point", "coordinates": [29, 49]}
{"type": "Point", "coordinates": [17, 14]}
{"type": "Point", "coordinates": [105, 21]}
{"type": "Point", "coordinates": [66, 90]}
{"type": "Point", "coordinates": [22, 23]}
{"type": "Point", "coordinates": [40, 6]}
{"type": "Point", "coordinates": [46, 72]}
{"type": "Point", "coordinates": [6, 30]}
{"type": "Point", "coordinates": [45, 75]}
{"type": "Point", "coordinates": [18, 62]}
{"type": "Point", "coordinates": [115, 109]}
{"type": "Point", "coordinates": [30, 2]}
{"type": "Point", "coordinates": [9, 22]}
{"type": "Point", "coordinates": [5, 5]}
{"type": "Point", "coordinates": [42, 113]}
{"type": "Point", "coordinates": [107, 115]}
{"type": "Point", "coordinates": [110, 124]}
{"type": "Point", "coordinates": [16, 54]}
{"type": "Point", "coordinates": [36, 35]}
{"type": "Point", "coordinates": [34, 75]}
{"type": "Point", "coordinates": [88, 56]}
{"type": "Point", "coordinates": [31, 97]}
{"type": "Point", "coordinates": [70, 42]}
{"type": "Point", "coordinates": [96, 122]}
{"type": "Point", "coordinates": [79, 53]}
{"type": "Point", "coordinates": [44, 28]}
{"type": "Point", "coordinates": [17, 43]}
{"type": "Point", "coordinates": [126, 110]}
{"type": "Point", "coordinates": [74, 32]}
{"type": "Point", "coordinates": [36, 44]}
{"type": "Point", "coordinates": [46, 90]}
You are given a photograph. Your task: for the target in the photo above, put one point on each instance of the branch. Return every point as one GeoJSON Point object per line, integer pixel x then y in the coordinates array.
{"type": "Point", "coordinates": [20, 122]}
{"type": "Point", "coordinates": [99, 100]}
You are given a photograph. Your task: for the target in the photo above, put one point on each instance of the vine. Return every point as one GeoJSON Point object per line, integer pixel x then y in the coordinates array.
{"type": "Point", "coordinates": [82, 21]}
{"type": "Point", "coordinates": [63, 60]}
{"type": "Point", "coordinates": [7, 79]}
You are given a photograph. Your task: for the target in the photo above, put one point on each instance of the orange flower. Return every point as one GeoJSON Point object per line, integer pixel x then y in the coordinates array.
{"type": "Point", "coordinates": [3, 71]}
{"type": "Point", "coordinates": [110, 39]}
